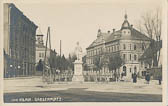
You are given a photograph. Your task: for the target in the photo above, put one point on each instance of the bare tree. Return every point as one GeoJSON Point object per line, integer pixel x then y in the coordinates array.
{"type": "Point", "coordinates": [150, 24]}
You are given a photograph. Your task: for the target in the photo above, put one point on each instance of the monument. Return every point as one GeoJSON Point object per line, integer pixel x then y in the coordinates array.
{"type": "Point", "coordinates": [78, 75]}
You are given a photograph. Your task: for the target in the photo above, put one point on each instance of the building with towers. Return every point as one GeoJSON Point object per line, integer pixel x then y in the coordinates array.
{"type": "Point", "coordinates": [128, 42]}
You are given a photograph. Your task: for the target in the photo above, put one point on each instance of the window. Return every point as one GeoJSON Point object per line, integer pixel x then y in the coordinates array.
{"type": "Point", "coordinates": [143, 73]}
{"type": "Point", "coordinates": [143, 48]}
{"type": "Point", "coordinates": [130, 56]}
{"type": "Point", "coordinates": [42, 54]}
{"type": "Point", "coordinates": [124, 56]}
{"type": "Point", "coordinates": [135, 69]}
{"type": "Point", "coordinates": [124, 47]}
{"type": "Point", "coordinates": [114, 48]}
{"type": "Point", "coordinates": [118, 47]}
{"type": "Point", "coordinates": [135, 57]}
{"type": "Point", "coordinates": [39, 54]}
{"type": "Point", "coordinates": [130, 70]}
{"type": "Point", "coordinates": [130, 46]}
{"type": "Point", "coordinates": [134, 47]}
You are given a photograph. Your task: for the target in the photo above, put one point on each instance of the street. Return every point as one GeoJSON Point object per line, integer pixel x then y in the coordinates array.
{"type": "Point", "coordinates": [32, 89]}
{"type": "Point", "coordinates": [80, 95]}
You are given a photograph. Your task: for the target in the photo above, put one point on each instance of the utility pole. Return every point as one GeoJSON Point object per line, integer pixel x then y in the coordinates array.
{"type": "Point", "coordinates": [46, 62]}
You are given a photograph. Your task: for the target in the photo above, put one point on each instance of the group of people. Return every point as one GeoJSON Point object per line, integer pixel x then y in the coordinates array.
{"type": "Point", "coordinates": [147, 77]}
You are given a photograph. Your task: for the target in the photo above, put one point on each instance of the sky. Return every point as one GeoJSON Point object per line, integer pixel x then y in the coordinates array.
{"type": "Point", "coordinates": [80, 21]}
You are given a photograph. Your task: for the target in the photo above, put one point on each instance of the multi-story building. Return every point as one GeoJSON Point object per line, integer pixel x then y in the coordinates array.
{"type": "Point", "coordinates": [128, 42]}
{"type": "Point", "coordinates": [19, 43]}
{"type": "Point", "coordinates": [41, 48]}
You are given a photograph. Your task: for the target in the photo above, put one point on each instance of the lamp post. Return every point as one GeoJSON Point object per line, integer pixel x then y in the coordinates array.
{"type": "Point", "coordinates": [10, 70]}
{"type": "Point", "coordinates": [18, 70]}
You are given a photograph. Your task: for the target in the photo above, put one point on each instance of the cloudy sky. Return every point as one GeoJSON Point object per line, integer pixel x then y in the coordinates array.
{"type": "Point", "coordinates": [79, 21]}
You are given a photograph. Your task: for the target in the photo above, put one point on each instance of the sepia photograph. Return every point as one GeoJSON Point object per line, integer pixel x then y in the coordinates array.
{"type": "Point", "coordinates": [83, 51]}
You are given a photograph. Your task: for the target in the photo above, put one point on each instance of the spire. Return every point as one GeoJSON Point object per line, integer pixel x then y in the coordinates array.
{"type": "Point", "coordinates": [125, 23]}
{"type": "Point", "coordinates": [125, 16]}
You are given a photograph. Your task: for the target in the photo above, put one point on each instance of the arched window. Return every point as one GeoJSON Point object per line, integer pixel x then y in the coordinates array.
{"type": "Point", "coordinates": [124, 70]}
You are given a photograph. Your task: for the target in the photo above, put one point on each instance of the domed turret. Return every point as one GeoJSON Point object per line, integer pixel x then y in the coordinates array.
{"type": "Point", "coordinates": [126, 28]}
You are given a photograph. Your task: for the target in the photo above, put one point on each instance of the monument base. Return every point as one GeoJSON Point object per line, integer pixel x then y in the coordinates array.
{"type": "Point", "coordinates": [78, 75]}
{"type": "Point", "coordinates": [77, 78]}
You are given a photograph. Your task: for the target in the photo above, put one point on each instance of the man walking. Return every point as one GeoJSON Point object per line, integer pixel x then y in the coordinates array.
{"type": "Point", "coordinates": [147, 77]}
{"type": "Point", "coordinates": [134, 77]}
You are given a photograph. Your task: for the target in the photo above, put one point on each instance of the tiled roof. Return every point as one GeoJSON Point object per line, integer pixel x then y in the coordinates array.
{"type": "Point", "coordinates": [135, 35]}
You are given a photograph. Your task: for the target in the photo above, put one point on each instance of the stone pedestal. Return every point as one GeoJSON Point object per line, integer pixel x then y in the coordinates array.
{"type": "Point", "coordinates": [78, 75]}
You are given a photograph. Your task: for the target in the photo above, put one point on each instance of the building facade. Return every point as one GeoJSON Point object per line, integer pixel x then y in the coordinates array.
{"type": "Point", "coordinates": [19, 43]}
{"type": "Point", "coordinates": [41, 48]}
{"type": "Point", "coordinates": [129, 43]}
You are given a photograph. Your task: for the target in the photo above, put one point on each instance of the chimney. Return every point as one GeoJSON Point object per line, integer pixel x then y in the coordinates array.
{"type": "Point", "coordinates": [99, 32]}
{"type": "Point", "coordinates": [108, 32]}
{"type": "Point", "coordinates": [113, 30]}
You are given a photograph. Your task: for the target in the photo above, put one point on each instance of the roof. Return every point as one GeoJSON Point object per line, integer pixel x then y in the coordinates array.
{"type": "Point", "coordinates": [135, 35]}
{"type": "Point", "coordinates": [100, 40]}
{"type": "Point", "coordinates": [109, 37]}
{"type": "Point", "coordinates": [38, 32]}
{"type": "Point", "coordinates": [106, 37]}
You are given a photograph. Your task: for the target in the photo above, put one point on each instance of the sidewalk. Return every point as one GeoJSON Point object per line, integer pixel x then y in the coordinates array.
{"type": "Point", "coordinates": [36, 84]}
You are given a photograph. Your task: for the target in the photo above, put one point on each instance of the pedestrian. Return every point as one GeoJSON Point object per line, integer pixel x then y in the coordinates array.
{"type": "Point", "coordinates": [122, 74]}
{"type": "Point", "coordinates": [134, 77]}
{"type": "Point", "coordinates": [147, 77]}
{"type": "Point", "coordinates": [160, 80]}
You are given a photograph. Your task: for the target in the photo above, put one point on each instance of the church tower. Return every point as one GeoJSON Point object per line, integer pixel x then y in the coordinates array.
{"type": "Point", "coordinates": [39, 37]}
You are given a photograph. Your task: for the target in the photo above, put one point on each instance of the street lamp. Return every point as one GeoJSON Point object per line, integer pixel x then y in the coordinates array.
{"type": "Point", "coordinates": [18, 70]}
{"type": "Point", "coordinates": [10, 72]}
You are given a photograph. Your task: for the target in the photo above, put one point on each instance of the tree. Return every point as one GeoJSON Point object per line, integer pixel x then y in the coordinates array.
{"type": "Point", "coordinates": [85, 66]}
{"type": "Point", "coordinates": [97, 63]}
{"type": "Point", "coordinates": [115, 62]}
{"type": "Point", "coordinates": [70, 60]}
{"type": "Point", "coordinates": [150, 24]}
{"type": "Point", "coordinates": [64, 63]}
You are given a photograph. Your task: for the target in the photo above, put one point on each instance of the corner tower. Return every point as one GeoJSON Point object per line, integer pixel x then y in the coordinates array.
{"type": "Point", "coordinates": [125, 28]}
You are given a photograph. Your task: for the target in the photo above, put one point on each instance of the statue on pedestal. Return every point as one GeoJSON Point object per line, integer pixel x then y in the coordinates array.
{"type": "Point", "coordinates": [78, 52]}
{"type": "Point", "coordinates": [78, 68]}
